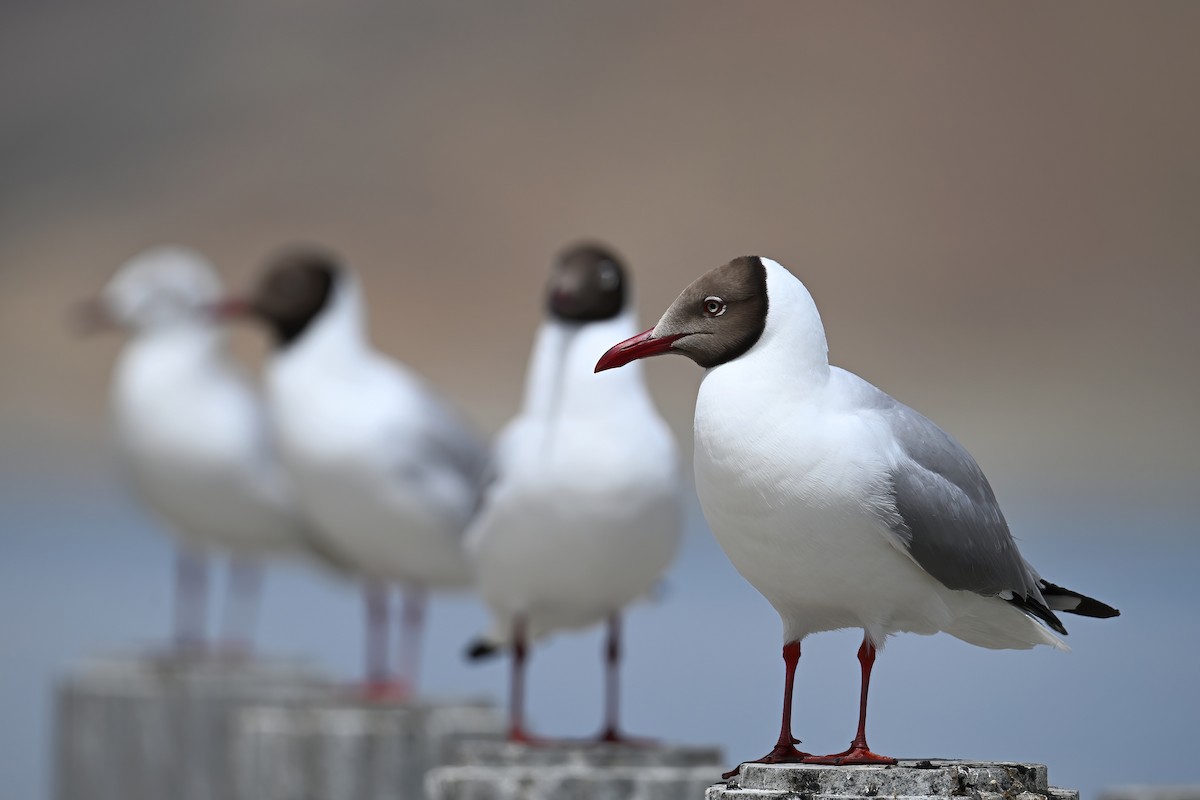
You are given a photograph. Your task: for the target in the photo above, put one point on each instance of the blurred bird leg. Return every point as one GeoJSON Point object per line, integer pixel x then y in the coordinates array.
{"type": "Point", "coordinates": [380, 683]}
{"type": "Point", "coordinates": [412, 628]}
{"type": "Point", "coordinates": [785, 751]}
{"type": "Point", "coordinates": [191, 596]}
{"type": "Point", "coordinates": [612, 675]}
{"type": "Point", "coordinates": [516, 699]}
{"type": "Point", "coordinates": [858, 753]}
{"type": "Point", "coordinates": [241, 607]}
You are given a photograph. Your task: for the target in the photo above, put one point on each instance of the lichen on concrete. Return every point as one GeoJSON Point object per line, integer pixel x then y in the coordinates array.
{"type": "Point", "coordinates": [911, 779]}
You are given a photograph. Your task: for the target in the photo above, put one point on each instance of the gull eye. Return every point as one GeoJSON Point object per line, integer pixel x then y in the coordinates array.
{"type": "Point", "coordinates": [609, 279]}
{"type": "Point", "coordinates": [714, 306]}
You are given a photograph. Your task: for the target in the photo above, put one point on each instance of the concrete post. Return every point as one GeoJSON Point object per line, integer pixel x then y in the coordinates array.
{"type": "Point", "coordinates": [144, 728]}
{"type": "Point", "coordinates": [493, 769]}
{"type": "Point", "coordinates": [908, 780]}
{"type": "Point", "coordinates": [338, 749]}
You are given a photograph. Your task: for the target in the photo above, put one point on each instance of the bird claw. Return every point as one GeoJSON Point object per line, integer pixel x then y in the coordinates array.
{"type": "Point", "coordinates": [385, 691]}
{"type": "Point", "coordinates": [854, 756]}
{"type": "Point", "coordinates": [612, 736]}
{"type": "Point", "coordinates": [781, 754]}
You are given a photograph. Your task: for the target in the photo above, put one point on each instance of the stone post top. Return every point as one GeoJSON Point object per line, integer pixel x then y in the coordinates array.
{"type": "Point", "coordinates": [912, 778]}
{"type": "Point", "coordinates": [497, 752]}
{"type": "Point", "coordinates": [149, 666]}
{"type": "Point", "coordinates": [493, 768]}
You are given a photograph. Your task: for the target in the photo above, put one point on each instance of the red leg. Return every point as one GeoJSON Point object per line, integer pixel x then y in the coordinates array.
{"type": "Point", "coordinates": [785, 751]}
{"type": "Point", "coordinates": [412, 626]}
{"type": "Point", "coordinates": [858, 753]}
{"type": "Point", "coordinates": [378, 683]}
{"type": "Point", "coordinates": [612, 702]}
{"type": "Point", "coordinates": [516, 699]}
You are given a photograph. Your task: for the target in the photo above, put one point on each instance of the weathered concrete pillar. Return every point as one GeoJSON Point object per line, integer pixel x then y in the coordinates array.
{"type": "Point", "coordinates": [339, 749]}
{"type": "Point", "coordinates": [908, 780]}
{"type": "Point", "coordinates": [492, 769]}
{"type": "Point", "coordinates": [145, 728]}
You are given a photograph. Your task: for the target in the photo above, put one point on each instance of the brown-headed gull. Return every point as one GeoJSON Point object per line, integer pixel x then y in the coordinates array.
{"type": "Point", "coordinates": [842, 506]}
{"type": "Point", "coordinates": [583, 514]}
{"type": "Point", "coordinates": [388, 473]}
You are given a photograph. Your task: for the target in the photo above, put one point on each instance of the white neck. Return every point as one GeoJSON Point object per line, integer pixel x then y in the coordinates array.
{"type": "Point", "coordinates": [794, 335]}
{"type": "Point", "coordinates": [191, 341]}
{"type": "Point", "coordinates": [339, 331]}
{"type": "Point", "coordinates": [167, 368]}
{"type": "Point", "coordinates": [788, 362]}
{"type": "Point", "coordinates": [561, 379]}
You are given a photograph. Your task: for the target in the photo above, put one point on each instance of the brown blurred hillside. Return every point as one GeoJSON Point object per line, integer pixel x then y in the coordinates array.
{"type": "Point", "coordinates": [996, 205]}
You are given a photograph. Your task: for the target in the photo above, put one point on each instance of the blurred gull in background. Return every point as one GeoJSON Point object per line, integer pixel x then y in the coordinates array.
{"type": "Point", "coordinates": [193, 435]}
{"type": "Point", "coordinates": [387, 471]}
{"type": "Point", "coordinates": [583, 515]}
{"type": "Point", "coordinates": [845, 508]}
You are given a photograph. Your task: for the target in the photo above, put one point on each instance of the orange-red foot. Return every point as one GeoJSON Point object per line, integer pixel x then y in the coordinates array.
{"type": "Point", "coordinates": [855, 755]}
{"type": "Point", "coordinates": [612, 736]}
{"type": "Point", "coordinates": [383, 691]}
{"type": "Point", "coordinates": [781, 754]}
{"type": "Point", "coordinates": [521, 736]}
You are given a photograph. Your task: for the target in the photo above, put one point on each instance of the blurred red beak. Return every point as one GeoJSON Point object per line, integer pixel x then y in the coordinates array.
{"type": "Point", "coordinates": [643, 345]}
{"type": "Point", "coordinates": [89, 317]}
{"type": "Point", "coordinates": [231, 308]}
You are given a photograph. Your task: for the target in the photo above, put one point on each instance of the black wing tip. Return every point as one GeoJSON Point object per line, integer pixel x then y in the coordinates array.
{"type": "Point", "coordinates": [1084, 606]}
{"type": "Point", "coordinates": [1091, 607]}
{"type": "Point", "coordinates": [481, 649]}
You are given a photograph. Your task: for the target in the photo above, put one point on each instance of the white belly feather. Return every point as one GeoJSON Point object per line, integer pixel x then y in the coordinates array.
{"type": "Point", "coordinates": [791, 493]}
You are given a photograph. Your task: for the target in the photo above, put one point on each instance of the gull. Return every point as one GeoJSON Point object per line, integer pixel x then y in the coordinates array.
{"type": "Point", "coordinates": [193, 436]}
{"type": "Point", "coordinates": [842, 506]}
{"type": "Point", "coordinates": [388, 473]}
{"type": "Point", "coordinates": [583, 513]}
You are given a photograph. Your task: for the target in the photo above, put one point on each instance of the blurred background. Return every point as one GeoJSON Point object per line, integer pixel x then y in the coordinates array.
{"type": "Point", "coordinates": [995, 205]}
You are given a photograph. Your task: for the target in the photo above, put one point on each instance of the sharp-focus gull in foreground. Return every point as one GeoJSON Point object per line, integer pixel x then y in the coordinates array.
{"type": "Point", "coordinates": [193, 434]}
{"type": "Point", "coordinates": [386, 470]}
{"type": "Point", "coordinates": [583, 514]}
{"type": "Point", "coordinates": [842, 506]}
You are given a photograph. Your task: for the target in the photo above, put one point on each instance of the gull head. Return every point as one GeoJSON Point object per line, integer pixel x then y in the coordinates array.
{"type": "Point", "coordinates": [162, 288]}
{"type": "Point", "coordinates": [587, 284]}
{"type": "Point", "coordinates": [720, 316]}
{"type": "Point", "coordinates": [297, 286]}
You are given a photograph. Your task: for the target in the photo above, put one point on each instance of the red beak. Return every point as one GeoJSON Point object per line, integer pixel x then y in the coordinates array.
{"type": "Point", "coordinates": [231, 308]}
{"type": "Point", "coordinates": [643, 345]}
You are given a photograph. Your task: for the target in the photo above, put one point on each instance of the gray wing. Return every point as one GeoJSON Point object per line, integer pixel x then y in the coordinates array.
{"type": "Point", "coordinates": [947, 515]}
{"type": "Point", "coordinates": [451, 443]}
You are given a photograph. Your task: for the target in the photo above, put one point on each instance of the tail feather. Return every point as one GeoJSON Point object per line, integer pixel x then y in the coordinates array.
{"type": "Point", "coordinates": [1033, 608]}
{"type": "Point", "coordinates": [1061, 599]}
{"type": "Point", "coordinates": [481, 649]}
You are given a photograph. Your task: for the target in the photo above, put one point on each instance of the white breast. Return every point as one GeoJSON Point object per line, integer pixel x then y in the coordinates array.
{"type": "Point", "coordinates": [194, 438]}
{"type": "Point", "coordinates": [786, 502]}
{"type": "Point", "coordinates": [584, 514]}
